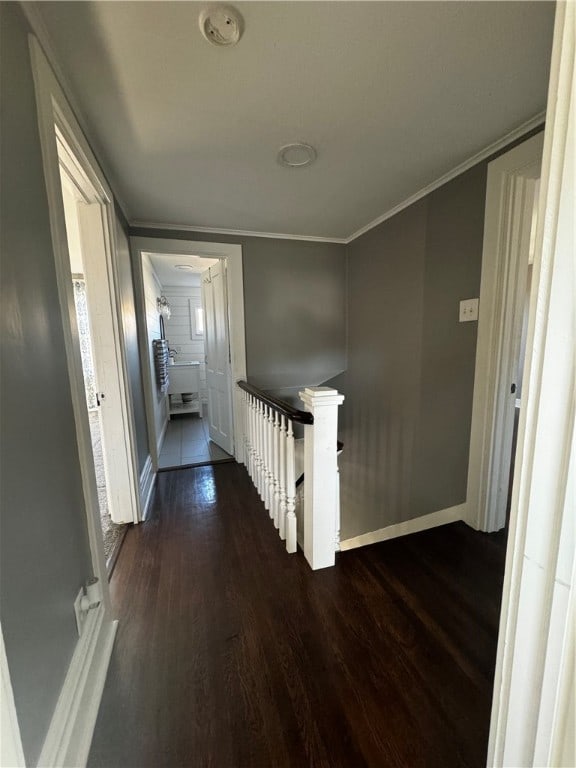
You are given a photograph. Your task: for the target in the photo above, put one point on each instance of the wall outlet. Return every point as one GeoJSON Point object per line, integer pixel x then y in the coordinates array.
{"type": "Point", "coordinates": [80, 614]}
{"type": "Point", "coordinates": [468, 310]}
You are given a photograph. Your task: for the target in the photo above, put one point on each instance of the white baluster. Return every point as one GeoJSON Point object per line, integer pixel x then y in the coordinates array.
{"type": "Point", "coordinates": [257, 443]}
{"type": "Point", "coordinates": [244, 396]}
{"type": "Point", "coordinates": [270, 473]}
{"type": "Point", "coordinates": [251, 436]}
{"type": "Point", "coordinates": [291, 545]}
{"type": "Point", "coordinates": [276, 460]}
{"type": "Point", "coordinates": [267, 457]}
{"type": "Point", "coordinates": [282, 476]}
{"type": "Point", "coordinates": [261, 449]}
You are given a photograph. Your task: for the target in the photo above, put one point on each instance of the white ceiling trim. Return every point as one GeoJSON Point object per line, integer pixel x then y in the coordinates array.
{"type": "Point", "coordinates": [35, 20]}
{"type": "Point", "coordinates": [491, 149]}
{"type": "Point", "coordinates": [235, 232]}
{"type": "Point", "coordinates": [485, 153]}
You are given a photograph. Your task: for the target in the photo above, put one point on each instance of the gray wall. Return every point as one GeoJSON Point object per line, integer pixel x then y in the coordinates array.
{"type": "Point", "coordinates": [44, 549]}
{"type": "Point", "coordinates": [295, 308]}
{"type": "Point", "coordinates": [409, 384]}
{"type": "Point", "coordinates": [126, 287]}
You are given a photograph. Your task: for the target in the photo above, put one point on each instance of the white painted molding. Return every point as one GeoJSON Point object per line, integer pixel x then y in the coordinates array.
{"type": "Point", "coordinates": [35, 20]}
{"type": "Point", "coordinates": [491, 149]}
{"type": "Point", "coordinates": [234, 232]}
{"type": "Point", "coordinates": [72, 726]}
{"type": "Point", "coordinates": [510, 194]}
{"type": "Point", "coordinates": [433, 520]}
{"type": "Point", "coordinates": [11, 753]}
{"type": "Point", "coordinates": [531, 674]}
{"type": "Point", "coordinates": [147, 480]}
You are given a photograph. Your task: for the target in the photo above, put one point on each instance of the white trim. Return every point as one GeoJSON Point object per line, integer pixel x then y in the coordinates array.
{"type": "Point", "coordinates": [147, 480]}
{"type": "Point", "coordinates": [71, 729]}
{"type": "Point", "coordinates": [235, 232]}
{"type": "Point", "coordinates": [57, 125]}
{"type": "Point", "coordinates": [491, 149]}
{"type": "Point", "coordinates": [11, 752]}
{"type": "Point", "coordinates": [35, 20]}
{"type": "Point", "coordinates": [232, 253]}
{"type": "Point", "coordinates": [433, 520]}
{"type": "Point", "coordinates": [531, 673]}
{"type": "Point", "coordinates": [510, 193]}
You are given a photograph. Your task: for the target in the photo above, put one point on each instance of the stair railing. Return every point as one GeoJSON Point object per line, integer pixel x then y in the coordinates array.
{"type": "Point", "coordinates": [270, 458]}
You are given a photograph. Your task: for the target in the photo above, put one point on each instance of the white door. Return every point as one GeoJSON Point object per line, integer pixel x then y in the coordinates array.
{"type": "Point", "coordinates": [217, 349]}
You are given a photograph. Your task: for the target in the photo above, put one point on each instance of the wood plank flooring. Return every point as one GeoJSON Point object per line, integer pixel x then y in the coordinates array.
{"type": "Point", "coordinates": [232, 654]}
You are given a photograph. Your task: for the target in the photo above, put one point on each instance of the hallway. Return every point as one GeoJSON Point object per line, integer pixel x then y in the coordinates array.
{"type": "Point", "coordinates": [231, 653]}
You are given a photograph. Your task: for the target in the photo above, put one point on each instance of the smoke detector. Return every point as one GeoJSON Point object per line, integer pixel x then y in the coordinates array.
{"type": "Point", "coordinates": [296, 155]}
{"type": "Point", "coordinates": [221, 24]}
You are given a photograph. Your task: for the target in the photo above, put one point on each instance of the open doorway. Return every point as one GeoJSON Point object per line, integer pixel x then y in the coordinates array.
{"type": "Point", "coordinates": [191, 331]}
{"type": "Point", "coordinates": [64, 149]}
{"type": "Point", "coordinates": [509, 237]}
{"type": "Point", "coordinates": [175, 289]}
{"type": "Point", "coordinates": [112, 533]}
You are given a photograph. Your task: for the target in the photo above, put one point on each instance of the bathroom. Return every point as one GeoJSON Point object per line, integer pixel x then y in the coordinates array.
{"type": "Point", "coordinates": [173, 292]}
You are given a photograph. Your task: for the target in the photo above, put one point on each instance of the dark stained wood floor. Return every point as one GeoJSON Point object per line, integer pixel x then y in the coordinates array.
{"type": "Point", "coordinates": [232, 654]}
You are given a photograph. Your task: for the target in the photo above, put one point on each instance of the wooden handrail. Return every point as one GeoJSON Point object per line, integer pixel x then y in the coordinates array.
{"type": "Point", "coordinates": [280, 406]}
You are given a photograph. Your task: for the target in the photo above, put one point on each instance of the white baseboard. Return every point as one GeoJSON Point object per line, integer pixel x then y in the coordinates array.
{"type": "Point", "coordinates": [434, 519]}
{"type": "Point", "coordinates": [147, 478]}
{"type": "Point", "coordinates": [70, 733]}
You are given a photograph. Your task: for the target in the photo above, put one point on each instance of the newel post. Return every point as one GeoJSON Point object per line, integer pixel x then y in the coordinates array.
{"type": "Point", "coordinates": [321, 492]}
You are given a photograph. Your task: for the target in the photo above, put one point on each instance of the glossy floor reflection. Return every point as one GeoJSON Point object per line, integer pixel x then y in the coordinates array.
{"type": "Point", "coordinates": [187, 442]}
{"type": "Point", "coordinates": [233, 654]}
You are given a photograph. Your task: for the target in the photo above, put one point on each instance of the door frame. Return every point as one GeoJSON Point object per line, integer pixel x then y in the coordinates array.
{"type": "Point", "coordinates": [55, 116]}
{"type": "Point", "coordinates": [532, 720]}
{"type": "Point", "coordinates": [508, 219]}
{"type": "Point", "coordinates": [231, 253]}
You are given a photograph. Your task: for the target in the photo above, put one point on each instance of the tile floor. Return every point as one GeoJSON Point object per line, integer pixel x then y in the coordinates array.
{"type": "Point", "coordinates": [187, 442]}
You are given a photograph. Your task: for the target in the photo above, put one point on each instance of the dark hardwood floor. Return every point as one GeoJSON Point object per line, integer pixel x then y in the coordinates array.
{"type": "Point", "coordinates": [231, 653]}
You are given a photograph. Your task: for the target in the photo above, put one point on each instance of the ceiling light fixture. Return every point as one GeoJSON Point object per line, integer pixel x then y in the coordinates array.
{"type": "Point", "coordinates": [184, 267]}
{"type": "Point", "coordinates": [297, 155]}
{"type": "Point", "coordinates": [221, 25]}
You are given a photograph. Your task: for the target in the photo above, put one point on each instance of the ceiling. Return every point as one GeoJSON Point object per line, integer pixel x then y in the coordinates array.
{"type": "Point", "coordinates": [166, 268]}
{"type": "Point", "coordinates": [393, 95]}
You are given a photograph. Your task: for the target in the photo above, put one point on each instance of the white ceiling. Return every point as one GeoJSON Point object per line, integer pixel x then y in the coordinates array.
{"type": "Point", "coordinates": [392, 94]}
{"type": "Point", "coordinates": [165, 267]}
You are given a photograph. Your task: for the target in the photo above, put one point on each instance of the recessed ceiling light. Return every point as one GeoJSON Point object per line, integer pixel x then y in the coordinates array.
{"type": "Point", "coordinates": [221, 25]}
{"type": "Point", "coordinates": [184, 267]}
{"type": "Point", "coordinates": [296, 155]}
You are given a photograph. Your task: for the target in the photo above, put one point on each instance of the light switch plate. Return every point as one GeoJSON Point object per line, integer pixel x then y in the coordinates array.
{"type": "Point", "coordinates": [468, 310]}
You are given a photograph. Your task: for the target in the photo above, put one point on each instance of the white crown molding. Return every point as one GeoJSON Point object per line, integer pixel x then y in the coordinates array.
{"type": "Point", "coordinates": [234, 232]}
{"type": "Point", "coordinates": [34, 18]}
{"type": "Point", "coordinates": [491, 149]}
{"type": "Point", "coordinates": [36, 22]}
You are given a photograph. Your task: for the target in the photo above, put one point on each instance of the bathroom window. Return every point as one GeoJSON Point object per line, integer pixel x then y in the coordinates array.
{"type": "Point", "coordinates": [196, 319]}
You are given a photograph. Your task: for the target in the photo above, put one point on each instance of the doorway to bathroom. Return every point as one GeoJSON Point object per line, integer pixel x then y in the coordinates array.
{"type": "Point", "coordinates": [192, 348]}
